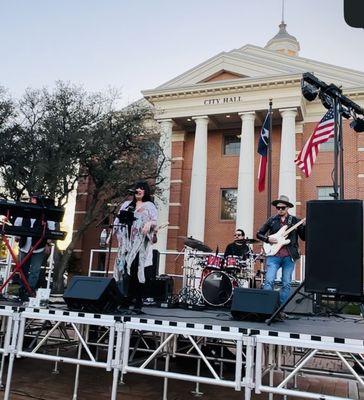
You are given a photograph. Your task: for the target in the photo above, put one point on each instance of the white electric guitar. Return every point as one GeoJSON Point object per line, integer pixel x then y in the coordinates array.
{"type": "Point", "coordinates": [271, 249]}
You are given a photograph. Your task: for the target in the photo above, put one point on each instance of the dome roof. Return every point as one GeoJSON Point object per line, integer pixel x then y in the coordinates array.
{"type": "Point", "coordinates": [283, 42]}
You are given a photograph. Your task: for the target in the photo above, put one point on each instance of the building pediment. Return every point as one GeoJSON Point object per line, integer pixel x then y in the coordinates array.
{"type": "Point", "coordinates": [249, 62]}
{"type": "Point", "coordinates": [223, 75]}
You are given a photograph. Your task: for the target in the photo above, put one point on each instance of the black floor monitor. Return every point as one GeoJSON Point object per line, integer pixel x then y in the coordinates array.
{"type": "Point", "coordinates": [93, 294]}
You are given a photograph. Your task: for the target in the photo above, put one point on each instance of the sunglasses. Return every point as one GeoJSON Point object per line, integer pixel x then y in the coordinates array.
{"type": "Point", "coordinates": [281, 207]}
{"type": "Point", "coordinates": [238, 235]}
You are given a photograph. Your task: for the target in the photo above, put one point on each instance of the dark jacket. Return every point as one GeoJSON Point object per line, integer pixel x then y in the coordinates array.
{"type": "Point", "coordinates": [273, 225]}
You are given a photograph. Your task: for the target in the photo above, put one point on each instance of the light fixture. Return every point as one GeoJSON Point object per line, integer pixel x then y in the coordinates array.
{"type": "Point", "coordinates": [308, 91]}
{"type": "Point", "coordinates": [326, 100]}
{"type": "Point", "coordinates": [357, 124]}
{"type": "Point", "coordinates": [345, 112]}
{"type": "Point", "coordinates": [227, 116]}
{"type": "Point", "coordinates": [189, 119]}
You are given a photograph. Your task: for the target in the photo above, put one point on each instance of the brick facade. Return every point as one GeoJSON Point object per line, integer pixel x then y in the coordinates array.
{"type": "Point", "coordinates": [222, 173]}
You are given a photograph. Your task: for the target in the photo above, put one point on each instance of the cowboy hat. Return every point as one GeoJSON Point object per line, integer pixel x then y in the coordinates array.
{"type": "Point", "coordinates": [282, 199]}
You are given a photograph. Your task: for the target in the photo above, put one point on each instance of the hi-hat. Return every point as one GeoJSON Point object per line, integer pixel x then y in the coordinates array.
{"type": "Point", "coordinates": [196, 244]}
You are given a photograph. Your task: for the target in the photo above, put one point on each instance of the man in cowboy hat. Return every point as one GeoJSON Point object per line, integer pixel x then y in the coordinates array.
{"type": "Point", "coordinates": [288, 254]}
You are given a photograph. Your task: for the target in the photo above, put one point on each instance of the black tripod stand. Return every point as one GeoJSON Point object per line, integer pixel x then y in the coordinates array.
{"type": "Point", "coordinates": [283, 306]}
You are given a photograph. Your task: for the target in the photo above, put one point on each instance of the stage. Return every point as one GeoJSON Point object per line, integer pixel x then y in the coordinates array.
{"type": "Point", "coordinates": [145, 344]}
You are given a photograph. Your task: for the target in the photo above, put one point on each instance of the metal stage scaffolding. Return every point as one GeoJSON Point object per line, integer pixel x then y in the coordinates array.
{"type": "Point", "coordinates": [154, 344]}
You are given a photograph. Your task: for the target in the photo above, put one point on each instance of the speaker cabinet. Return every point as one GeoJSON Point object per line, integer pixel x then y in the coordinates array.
{"type": "Point", "coordinates": [254, 303]}
{"type": "Point", "coordinates": [334, 247]}
{"type": "Point", "coordinates": [159, 289]}
{"type": "Point", "coordinates": [92, 294]}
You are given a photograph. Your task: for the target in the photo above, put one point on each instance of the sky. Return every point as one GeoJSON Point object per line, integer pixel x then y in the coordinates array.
{"type": "Point", "coordinates": [133, 45]}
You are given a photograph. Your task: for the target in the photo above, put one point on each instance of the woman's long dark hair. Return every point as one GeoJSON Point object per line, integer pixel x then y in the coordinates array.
{"type": "Point", "coordinates": [147, 196]}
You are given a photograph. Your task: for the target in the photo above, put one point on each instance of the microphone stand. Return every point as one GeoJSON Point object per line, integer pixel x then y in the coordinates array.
{"type": "Point", "coordinates": [111, 227]}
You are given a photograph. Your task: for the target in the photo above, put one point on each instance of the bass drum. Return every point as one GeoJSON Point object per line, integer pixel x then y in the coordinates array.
{"type": "Point", "coordinates": [217, 288]}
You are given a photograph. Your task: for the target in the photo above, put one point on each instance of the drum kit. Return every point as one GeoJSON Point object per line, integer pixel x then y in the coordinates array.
{"type": "Point", "coordinates": [210, 279]}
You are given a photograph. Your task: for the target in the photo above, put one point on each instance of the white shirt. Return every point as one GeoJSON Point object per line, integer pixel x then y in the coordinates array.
{"type": "Point", "coordinates": [28, 244]}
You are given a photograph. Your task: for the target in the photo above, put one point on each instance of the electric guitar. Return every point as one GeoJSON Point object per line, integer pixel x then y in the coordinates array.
{"type": "Point", "coordinates": [271, 249]}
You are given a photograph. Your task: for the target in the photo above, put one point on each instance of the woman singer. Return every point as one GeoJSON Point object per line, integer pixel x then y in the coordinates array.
{"type": "Point", "coordinates": [135, 229]}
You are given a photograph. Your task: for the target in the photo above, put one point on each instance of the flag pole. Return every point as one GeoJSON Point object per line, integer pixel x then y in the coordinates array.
{"type": "Point", "coordinates": [269, 194]}
{"type": "Point", "coordinates": [336, 149]}
{"type": "Point", "coordinates": [341, 150]}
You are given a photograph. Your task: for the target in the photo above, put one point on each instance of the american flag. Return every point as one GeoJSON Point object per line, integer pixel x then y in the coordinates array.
{"type": "Point", "coordinates": [323, 132]}
{"type": "Point", "coordinates": [263, 151]}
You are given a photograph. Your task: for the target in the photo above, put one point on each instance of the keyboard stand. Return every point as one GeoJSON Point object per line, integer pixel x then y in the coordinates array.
{"type": "Point", "coordinates": [19, 265]}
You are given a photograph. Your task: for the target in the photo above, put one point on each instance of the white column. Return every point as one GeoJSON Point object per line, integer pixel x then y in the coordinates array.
{"type": "Point", "coordinates": [287, 167]}
{"type": "Point", "coordinates": [163, 203]}
{"type": "Point", "coordinates": [245, 201]}
{"type": "Point", "coordinates": [196, 211]}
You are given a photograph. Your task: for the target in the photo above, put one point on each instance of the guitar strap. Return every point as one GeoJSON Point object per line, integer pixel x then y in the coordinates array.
{"type": "Point", "coordinates": [289, 221]}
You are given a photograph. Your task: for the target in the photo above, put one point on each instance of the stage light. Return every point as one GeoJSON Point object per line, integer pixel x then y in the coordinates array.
{"type": "Point", "coordinates": [309, 92]}
{"type": "Point", "coordinates": [326, 100]}
{"type": "Point", "coordinates": [345, 112]}
{"type": "Point", "coordinates": [357, 124]}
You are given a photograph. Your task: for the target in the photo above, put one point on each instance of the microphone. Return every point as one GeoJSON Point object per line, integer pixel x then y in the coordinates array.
{"type": "Point", "coordinates": [131, 191]}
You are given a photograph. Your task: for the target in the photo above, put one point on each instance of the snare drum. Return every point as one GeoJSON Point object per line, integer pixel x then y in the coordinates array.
{"type": "Point", "coordinates": [233, 263]}
{"type": "Point", "coordinates": [215, 262]}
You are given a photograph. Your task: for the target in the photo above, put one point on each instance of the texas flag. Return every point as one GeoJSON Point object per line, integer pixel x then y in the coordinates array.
{"type": "Point", "coordinates": [263, 151]}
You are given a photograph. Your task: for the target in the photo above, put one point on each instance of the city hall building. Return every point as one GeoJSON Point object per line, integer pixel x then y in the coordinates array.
{"type": "Point", "coordinates": [210, 119]}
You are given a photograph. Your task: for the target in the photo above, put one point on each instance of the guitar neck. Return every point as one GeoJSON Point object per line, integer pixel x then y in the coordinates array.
{"type": "Point", "coordinates": [288, 231]}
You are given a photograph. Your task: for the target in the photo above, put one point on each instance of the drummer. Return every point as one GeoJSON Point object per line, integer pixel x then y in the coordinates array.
{"type": "Point", "coordinates": [238, 247]}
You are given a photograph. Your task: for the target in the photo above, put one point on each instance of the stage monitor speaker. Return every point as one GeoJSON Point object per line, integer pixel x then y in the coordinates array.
{"type": "Point", "coordinates": [254, 303]}
{"type": "Point", "coordinates": [334, 247]}
{"type": "Point", "coordinates": [93, 294]}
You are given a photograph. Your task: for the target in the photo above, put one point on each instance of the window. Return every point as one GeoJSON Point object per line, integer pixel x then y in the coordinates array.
{"type": "Point", "coordinates": [228, 204]}
{"type": "Point", "coordinates": [323, 192]}
{"type": "Point", "coordinates": [231, 145]}
{"type": "Point", "coordinates": [328, 146]}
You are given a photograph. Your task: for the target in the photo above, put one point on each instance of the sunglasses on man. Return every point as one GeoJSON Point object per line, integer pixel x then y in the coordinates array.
{"type": "Point", "coordinates": [281, 207]}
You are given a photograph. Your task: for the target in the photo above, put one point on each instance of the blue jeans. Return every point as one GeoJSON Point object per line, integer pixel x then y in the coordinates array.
{"type": "Point", "coordinates": [273, 265]}
{"type": "Point", "coordinates": [31, 268]}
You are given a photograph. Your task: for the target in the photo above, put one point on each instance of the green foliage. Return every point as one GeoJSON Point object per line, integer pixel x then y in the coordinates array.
{"type": "Point", "coordinates": [51, 139]}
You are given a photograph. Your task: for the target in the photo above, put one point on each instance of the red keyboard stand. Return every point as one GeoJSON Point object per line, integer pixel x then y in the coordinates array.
{"type": "Point", "coordinates": [18, 269]}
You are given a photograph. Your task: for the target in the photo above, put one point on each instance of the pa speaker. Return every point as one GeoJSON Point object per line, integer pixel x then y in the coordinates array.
{"type": "Point", "coordinates": [92, 294]}
{"type": "Point", "coordinates": [257, 303]}
{"type": "Point", "coordinates": [334, 247]}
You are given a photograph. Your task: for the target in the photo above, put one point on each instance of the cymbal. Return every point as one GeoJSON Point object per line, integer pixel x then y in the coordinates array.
{"type": "Point", "coordinates": [251, 241]}
{"type": "Point", "coordinates": [196, 244]}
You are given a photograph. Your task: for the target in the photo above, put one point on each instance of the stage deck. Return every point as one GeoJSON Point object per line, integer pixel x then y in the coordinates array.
{"type": "Point", "coordinates": [339, 337]}
{"type": "Point", "coordinates": [335, 329]}
{"type": "Point", "coordinates": [339, 328]}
